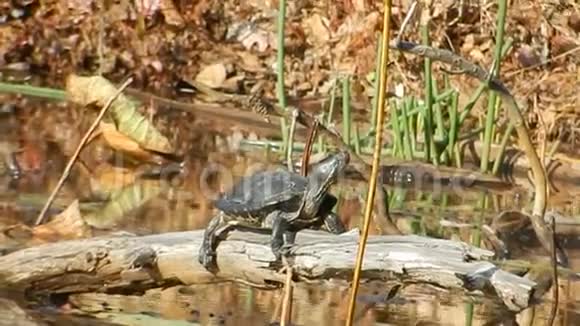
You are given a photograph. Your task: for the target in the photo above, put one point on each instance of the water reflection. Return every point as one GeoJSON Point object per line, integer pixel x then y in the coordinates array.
{"type": "Point", "coordinates": [184, 204]}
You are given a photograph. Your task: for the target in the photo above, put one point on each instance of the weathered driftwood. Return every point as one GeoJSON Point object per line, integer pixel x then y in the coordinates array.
{"type": "Point", "coordinates": [126, 263]}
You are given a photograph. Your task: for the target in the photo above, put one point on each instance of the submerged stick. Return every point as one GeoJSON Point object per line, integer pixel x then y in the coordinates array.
{"type": "Point", "coordinates": [77, 152]}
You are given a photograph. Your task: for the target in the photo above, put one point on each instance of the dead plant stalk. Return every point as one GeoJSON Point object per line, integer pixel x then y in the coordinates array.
{"type": "Point", "coordinates": [376, 160]}
{"type": "Point", "coordinates": [78, 150]}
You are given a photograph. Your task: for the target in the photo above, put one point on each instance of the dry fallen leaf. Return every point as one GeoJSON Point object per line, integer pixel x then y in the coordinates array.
{"type": "Point", "coordinates": [80, 6]}
{"type": "Point", "coordinates": [107, 178]}
{"type": "Point", "coordinates": [121, 202]}
{"type": "Point", "coordinates": [122, 143]}
{"type": "Point", "coordinates": [231, 84]}
{"type": "Point", "coordinates": [250, 35]}
{"type": "Point", "coordinates": [67, 225]}
{"type": "Point", "coordinates": [129, 122]}
{"type": "Point", "coordinates": [561, 44]}
{"type": "Point", "coordinates": [527, 56]}
{"type": "Point", "coordinates": [317, 27]}
{"type": "Point", "coordinates": [250, 62]}
{"type": "Point", "coordinates": [147, 8]}
{"type": "Point", "coordinates": [172, 16]}
{"type": "Point", "coordinates": [213, 75]}
{"type": "Point", "coordinates": [574, 22]}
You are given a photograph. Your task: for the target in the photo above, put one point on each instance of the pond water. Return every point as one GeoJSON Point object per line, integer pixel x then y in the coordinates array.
{"type": "Point", "coordinates": [184, 203]}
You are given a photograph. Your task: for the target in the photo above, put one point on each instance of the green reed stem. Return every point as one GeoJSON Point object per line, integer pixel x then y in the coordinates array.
{"type": "Point", "coordinates": [356, 140]}
{"type": "Point", "coordinates": [440, 129]}
{"type": "Point", "coordinates": [482, 87]}
{"type": "Point", "coordinates": [503, 146]}
{"type": "Point", "coordinates": [320, 140]}
{"type": "Point", "coordinates": [492, 103]}
{"type": "Point", "coordinates": [398, 143]}
{"type": "Point", "coordinates": [415, 110]}
{"type": "Point", "coordinates": [413, 125]}
{"type": "Point", "coordinates": [469, 309]}
{"type": "Point", "coordinates": [428, 131]}
{"type": "Point", "coordinates": [329, 121]}
{"type": "Point", "coordinates": [440, 133]}
{"type": "Point", "coordinates": [332, 103]}
{"type": "Point", "coordinates": [280, 71]}
{"type": "Point", "coordinates": [453, 126]}
{"type": "Point", "coordinates": [346, 121]}
{"type": "Point", "coordinates": [434, 86]}
{"type": "Point", "coordinates": [405, 123]}
{"type": "Point", "coordinates": [28, 90]}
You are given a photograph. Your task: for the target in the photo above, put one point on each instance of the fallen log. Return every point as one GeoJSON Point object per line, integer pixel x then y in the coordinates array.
{"type": "Point", "coordinates": [128, 263]}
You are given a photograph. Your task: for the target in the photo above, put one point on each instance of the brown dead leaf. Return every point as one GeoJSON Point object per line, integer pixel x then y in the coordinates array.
{"type": "Point", "coordinates": [172, 16]}
{"type": "Point", "coordinates": [107, 178]}
{"type": "Point", "coordinates": [123, 201]}
{"type": "Point", "coordinates": [561, 44]}
{"type": "Point", "coordinates": [122, 143]}
{"type": "Point", "coordinates": [317, 28]}
{"type": "Point", "coordinates": [250, 62]}
{"type": "Point", "coordinates": [232, 84]}
{"type": "Point", "coordinates": [80, 6]}
{"type": "Point", "coordinates": [67, 225]}
{"type": "Point", "coordinates": [468, 43]}
{"type": "Point", "coordinates": [96, 89]}
{"type": "Point", "coordinates": [17, 233]}
{"type": "Point", "coordinates": [574, 21]}
{"type": "Point", "coordinates": [360, 5]}
{"type": "Point", "coordinates": [251, 36]}
{"type": "Point", "coordinates": [147, 8]}
{"type": "Point", "coordinates": [213, 75]}
{"type": "Point", "coordinates": [528, 56]}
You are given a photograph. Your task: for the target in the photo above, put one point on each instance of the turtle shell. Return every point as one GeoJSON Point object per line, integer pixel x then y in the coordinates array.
{"type": "Point", "coordinates": [262, 192]}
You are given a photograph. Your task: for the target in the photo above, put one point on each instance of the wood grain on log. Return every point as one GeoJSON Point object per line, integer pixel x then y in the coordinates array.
{"type": "Point", "coordinates": [126, 263]}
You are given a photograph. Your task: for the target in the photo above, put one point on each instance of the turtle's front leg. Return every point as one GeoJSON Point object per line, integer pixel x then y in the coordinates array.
{"type": "Point", "coordinates": [207, 254]}
{"type": "Point", "coordinates": [268, 223]}
{"type": "Point", "coordinates": [289, 237]}
{"type": "Point", "coordinates": [280, 227]}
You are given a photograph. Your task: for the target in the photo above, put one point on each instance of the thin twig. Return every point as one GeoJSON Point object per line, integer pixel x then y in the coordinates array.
{"type": "Point", "coordinates": [554, 309]}
{"type": "Point", "coordinates": [376, 161]}
{"type": "Point", "coordinates": [286, 315]}
{"type": "Point", "coordinates": [281, 94]}
{"type": "Point", "coordinates": [294, 116]}
{"type": "Point", "coordinates": [308, 148]}
{"type": "Point", "coordinates": [84, 140]}
{"type": "Point", "coordinates": [564, 54]}
{"type": "Point", "coordinates": [406, 21]}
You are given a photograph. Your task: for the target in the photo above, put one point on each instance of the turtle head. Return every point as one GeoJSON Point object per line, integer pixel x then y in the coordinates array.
{"type": "Point", "coordinates": [321, 177]}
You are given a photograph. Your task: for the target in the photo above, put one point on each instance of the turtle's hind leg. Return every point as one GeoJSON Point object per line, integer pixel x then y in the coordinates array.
{"type": "Point", "coordinates": [214, 230]}
{"type": "Point", "coordinates": [333, 223]}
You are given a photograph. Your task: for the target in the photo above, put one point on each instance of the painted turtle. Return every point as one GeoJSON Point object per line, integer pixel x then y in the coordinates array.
{"type": "Point", "coordinates": [280, 200]}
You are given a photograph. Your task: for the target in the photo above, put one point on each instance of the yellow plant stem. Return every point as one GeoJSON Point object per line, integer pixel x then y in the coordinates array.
{"type": "Point", "coordinates": [376, 160]}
